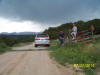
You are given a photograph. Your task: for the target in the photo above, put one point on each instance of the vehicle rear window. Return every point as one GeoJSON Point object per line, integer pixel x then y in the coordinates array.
{"type": "Point", "coordinates": [42, 35]}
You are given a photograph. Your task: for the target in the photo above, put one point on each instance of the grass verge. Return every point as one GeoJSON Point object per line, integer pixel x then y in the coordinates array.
{"type": "Point", "coordinates": [77, 54]}
{"type": "Point", "coordinates": [4, 48]}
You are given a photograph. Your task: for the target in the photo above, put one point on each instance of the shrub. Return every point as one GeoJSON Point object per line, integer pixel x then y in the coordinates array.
{"type": "Point", "coordinates": [3, 47]}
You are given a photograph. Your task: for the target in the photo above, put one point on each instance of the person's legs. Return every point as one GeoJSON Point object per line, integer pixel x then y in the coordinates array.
{"type": "Point", "coordinates": [75, 35]}
{"type": "Point", "coordinates": [72, 34]}
{"type": "Point", "coordinates": [61, 42]}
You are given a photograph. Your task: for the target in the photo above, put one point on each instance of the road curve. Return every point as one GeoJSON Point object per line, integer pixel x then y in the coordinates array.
{"type": "Point", "coordinates": [27, 60]}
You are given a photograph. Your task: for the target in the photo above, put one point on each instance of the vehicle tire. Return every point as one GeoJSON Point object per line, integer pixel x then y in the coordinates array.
{"type": "Point", "coordinates": [36, 45]}
{"type": "Point", "coordinates": [48, 45]}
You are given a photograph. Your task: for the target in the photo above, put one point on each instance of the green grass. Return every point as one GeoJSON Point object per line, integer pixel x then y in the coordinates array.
{"type": "Point", "coordinates": [3, 48]}
{"type": "Point", "coordinates": [22, 44]}
{"type": "Point", "coordinates": [77, 54]}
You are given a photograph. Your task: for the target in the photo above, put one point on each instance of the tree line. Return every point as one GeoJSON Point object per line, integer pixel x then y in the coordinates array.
{"type": "Point", "coordinates": [82, 25]}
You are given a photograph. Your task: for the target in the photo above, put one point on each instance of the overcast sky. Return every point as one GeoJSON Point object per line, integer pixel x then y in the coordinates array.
{"type": "Point", "coordinates": [37, 15]}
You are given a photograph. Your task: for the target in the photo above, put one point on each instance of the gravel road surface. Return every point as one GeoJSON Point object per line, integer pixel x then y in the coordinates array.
{"type": "Point", "coordinates": [27, 60]}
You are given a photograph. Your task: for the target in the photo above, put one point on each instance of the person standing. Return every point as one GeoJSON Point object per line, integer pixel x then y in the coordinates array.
{"type": "Point", "coordinates": [61, 38]}
{"type": "Point", "coordinates": [74, 32]}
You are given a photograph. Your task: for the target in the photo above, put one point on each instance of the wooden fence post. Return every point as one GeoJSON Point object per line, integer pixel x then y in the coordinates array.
{"type": "Point", "coordinates": [92, 31]}
{"type": "Point", "coordinates": [69, 38]}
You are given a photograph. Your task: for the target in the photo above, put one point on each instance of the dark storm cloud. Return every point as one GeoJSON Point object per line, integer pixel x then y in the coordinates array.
{"type": "Point", "coordinates": [50, 11]}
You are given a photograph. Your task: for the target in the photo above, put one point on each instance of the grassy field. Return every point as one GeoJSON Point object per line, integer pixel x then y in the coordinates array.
{"type": "Point", "coordinates": [78, 54]}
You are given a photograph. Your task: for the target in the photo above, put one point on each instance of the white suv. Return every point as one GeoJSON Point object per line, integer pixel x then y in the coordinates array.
{"type": "Point", "coordinates": [42, 39]}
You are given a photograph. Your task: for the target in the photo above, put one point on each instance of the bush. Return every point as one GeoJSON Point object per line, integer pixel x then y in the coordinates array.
{"type": "Point", "coordinates": [3, 47]}
{"type": "Point", "coordinates": [12, 40]}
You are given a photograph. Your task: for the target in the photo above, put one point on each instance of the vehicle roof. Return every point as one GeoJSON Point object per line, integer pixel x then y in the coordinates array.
{"type": "Point", "coordinates": [42, 34]}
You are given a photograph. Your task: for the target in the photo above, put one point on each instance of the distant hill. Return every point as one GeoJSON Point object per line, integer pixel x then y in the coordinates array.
{"type": "Point", "coordinates": [54, 31]}
{"type": "Point", "coordinates": [19, 33]}
{"type": "Point", "coordinates": [11, 39]}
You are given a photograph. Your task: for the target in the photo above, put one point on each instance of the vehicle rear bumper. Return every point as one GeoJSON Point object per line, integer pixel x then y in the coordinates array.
{"type": "Point", "coordinates": [43, 43]}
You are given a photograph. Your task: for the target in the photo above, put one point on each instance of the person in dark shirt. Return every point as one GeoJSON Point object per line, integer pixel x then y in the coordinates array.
{"type": "Point", "coordinates": [61, 38]}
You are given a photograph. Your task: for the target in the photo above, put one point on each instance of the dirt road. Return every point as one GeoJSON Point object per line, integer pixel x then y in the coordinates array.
{"type": "Point", "coordinates": [27, 60]}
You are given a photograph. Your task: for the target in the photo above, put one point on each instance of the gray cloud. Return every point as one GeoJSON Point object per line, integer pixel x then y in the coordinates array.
{"type": "Point", "coordinates": [50, 11]}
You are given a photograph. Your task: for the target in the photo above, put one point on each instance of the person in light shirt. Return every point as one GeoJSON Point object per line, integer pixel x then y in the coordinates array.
{"type": "Point", "coordinates": [74, 32]}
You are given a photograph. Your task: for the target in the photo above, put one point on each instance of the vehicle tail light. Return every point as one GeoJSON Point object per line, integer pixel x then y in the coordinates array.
{"type": "Point", "coordinates": [47, 39]}
{"type": "Point", "coordinates": [37, 39]}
